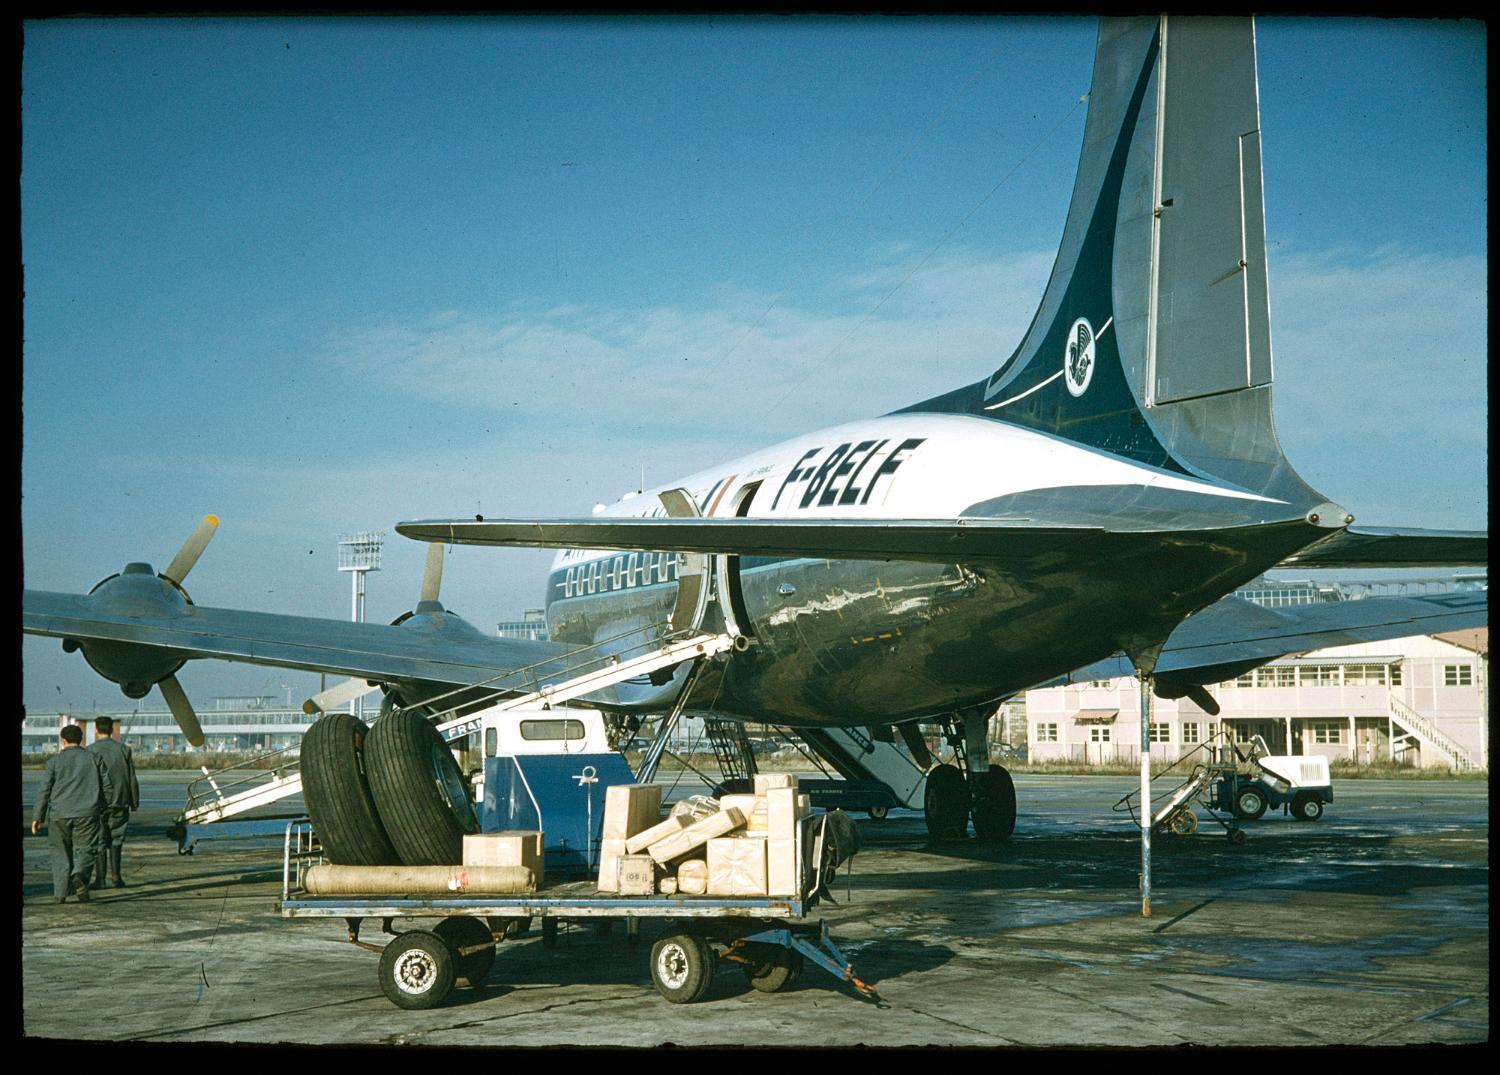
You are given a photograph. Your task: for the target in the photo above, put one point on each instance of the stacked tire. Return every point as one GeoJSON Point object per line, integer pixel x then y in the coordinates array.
{"type": "Point", "coordinates": [337, 793]}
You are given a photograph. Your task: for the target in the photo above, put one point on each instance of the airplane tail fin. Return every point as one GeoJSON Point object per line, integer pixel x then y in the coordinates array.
{"type": "Point", "coordinates": [1153, 337]}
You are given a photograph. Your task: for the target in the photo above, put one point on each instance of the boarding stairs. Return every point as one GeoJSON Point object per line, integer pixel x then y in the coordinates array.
{"type": "Point", "coordinates": [731, 750]}
{"type": "Point", "coordinates": [1414, 726]}
{"type": "Point", "coordinates": [236, 790]}
{"type": "Point", "coordinates": [1173, 812]}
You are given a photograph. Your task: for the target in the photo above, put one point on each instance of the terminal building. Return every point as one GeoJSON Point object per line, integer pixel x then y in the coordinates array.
{"type": "Point", "coordinates": [1418, 701]}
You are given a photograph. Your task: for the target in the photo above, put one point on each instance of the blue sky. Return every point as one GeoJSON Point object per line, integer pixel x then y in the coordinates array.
{"type": "Point", "coordinates": [322, 275]}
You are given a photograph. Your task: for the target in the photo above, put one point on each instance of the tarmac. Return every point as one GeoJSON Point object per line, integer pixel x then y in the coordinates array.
{"type": "Point", "coordinates": [1369, 927]}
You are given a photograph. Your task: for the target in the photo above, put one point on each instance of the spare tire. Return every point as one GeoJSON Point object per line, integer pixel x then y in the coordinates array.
{"type": "Point", "coordinates": [337, 795]}
{"type": "Point", "coordinates": [420, 792]}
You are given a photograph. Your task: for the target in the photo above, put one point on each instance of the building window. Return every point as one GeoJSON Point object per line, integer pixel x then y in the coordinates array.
{"type": "Point", "coordinates": [1190, 732]}
{"type": "Point", "coordinates": [1161, 732]}
{"type": "Point", "coordinates": [1395, 675]}
{"type": "Point", "coordinates": [1458, 675]}
{"type": "Point", "coordinates": [1105, 683]}
{"type": "Point", "coordinates": [1099, 733]}
{"type": "Point", "coordinates": [1046, 733]}
{"type": "Point", "coordinates": [1319, 675]}
{"type": "Point", "coordinates": [1327, 731]}
{"type": "Point", "coordinates": [1246, 680]}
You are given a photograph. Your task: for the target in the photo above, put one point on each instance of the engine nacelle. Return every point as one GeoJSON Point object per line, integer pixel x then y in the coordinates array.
{"type": "Point", "coordinates": [136, 591]}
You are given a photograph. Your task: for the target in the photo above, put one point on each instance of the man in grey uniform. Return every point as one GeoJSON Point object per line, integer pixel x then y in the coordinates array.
{"type": "Point", "coordinates": [125, 797]}
{"type": "Point", "coordinates": [74, 787]}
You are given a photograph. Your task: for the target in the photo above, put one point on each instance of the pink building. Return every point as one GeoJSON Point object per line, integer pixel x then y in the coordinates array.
{"type": "Point", "coordinates": [1415, 701]}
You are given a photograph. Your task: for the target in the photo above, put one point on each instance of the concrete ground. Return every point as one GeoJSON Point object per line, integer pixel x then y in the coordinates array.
{"type": "Point", "coordinates": [1369, 927]}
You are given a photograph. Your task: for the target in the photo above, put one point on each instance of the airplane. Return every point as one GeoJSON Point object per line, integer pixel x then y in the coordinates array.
{"type": "Point", "coordinates": [1090, 503]}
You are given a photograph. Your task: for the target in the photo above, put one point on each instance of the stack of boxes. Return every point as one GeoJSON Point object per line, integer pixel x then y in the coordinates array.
{"type": "Point", "coordinates": [740, 845]}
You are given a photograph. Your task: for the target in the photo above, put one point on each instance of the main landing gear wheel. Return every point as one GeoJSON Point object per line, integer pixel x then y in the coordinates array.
{"type": "Point", "coordinates": [416, 970]}
{"type": "Point", "coordinates": [682, 967]}
{"type": "Point", "coordinates": [1250, 803]}
{"type": "Point", "coordinates": [994, 808]}
{"type": "Point", "coordinates": [419, 790]}
{"type": "Point", "coordinates": [337, 794]}
{"type": "Point", "coordinates": [1306, 808]}
{"type": "Point", "coordinates": [775, 968]}
{"type": "Point", "coordinates": [946, 803]}
{"type": "Point", "coordinates": [462, 931]}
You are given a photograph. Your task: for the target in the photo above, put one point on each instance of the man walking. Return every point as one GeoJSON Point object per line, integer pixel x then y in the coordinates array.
{"type": "Point", "coordinates": [74, 788]}
{"type": "Point", "coordinates": [125, 797]}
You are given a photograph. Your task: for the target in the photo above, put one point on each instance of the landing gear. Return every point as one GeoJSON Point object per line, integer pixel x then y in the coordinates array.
{"type": "Point", "coordinates": [994, 806]}
{"type": "Point", "coordinates": [957, 793]}
{"type": "Point", "coordinates": [946, 803]}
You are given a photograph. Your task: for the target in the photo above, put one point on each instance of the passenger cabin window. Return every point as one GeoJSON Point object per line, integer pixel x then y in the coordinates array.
{"type": "Point", "coordinates": [538, 730]}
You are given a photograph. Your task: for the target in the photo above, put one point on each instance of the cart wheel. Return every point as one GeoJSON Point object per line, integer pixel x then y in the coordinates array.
{"type": "Point", "coordinates": [777, 968]}
{"type": "Point", "coordinates": [1250, 803]}
{"type": "Point", "coordinates": [549, 933]}
{"type": "Point", "coordinates": [416, 970]}
{"type": "Point", "coordinates": [1306, 808]}
{"type": "Point", "coordinates": [1184, 823]}
{"type": "Point", "coordinates": [682, 967]}
{"type": "Point", "coordinates": [1236, 836]}
{"type": "Point", "coordinates": [878, 813]}
{"type": "Point", "coordinates": [462, 931]}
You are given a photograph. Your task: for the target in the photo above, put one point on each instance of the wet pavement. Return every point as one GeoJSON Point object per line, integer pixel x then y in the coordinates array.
{"type": "Point", "coordinates": [1370, 927]}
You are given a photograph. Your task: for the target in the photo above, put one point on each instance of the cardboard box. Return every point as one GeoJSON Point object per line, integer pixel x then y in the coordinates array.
{"type": "Point", "coordinates": [515, 847]}
{"type": "Point", "coordinates": [695, 835]}
{"type": "Point", "coordinates": [630, 808]}
{"type": "Point", "coordinates": [668, 884]}
{"type": "Point", "coordinates": [745, 804]}
{"type": "Point", "coordinates": [610, 853]}
{"type": "Point", "coordinates": [781, 813]}
{"type": "Point", "coordinates": [642, 840]}
{"type": "Point", "coordinates": [758, 822]}
{"type": "Point", "coordinates": [692, 877]}
{"type": "Point", "coordinates": [736, 866]}
{"type": "Point", "coordinates": [766, 781]}
{"type": "Point", "coordinates": [695, 808]}
{"type": "Point", "coordinates": [782, 871]}
{"type": "Point", "coordinates": [637, 875]}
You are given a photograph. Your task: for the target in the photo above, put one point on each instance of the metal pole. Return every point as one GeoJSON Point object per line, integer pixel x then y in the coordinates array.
{"type": "Point", "coordinates": [1145, 678]}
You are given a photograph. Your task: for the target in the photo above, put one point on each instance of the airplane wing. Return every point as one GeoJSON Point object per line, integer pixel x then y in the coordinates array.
{"type": "Point", "coordinates": [1379, 546]}
{"type": "Point", "coordinates": [1231, 636]}
{"type": "Point", "coordinates": [423, 650]}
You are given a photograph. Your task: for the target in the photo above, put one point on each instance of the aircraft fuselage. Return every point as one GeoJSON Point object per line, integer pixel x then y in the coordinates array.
{"type": "Point", "coordinates": [840, 642]}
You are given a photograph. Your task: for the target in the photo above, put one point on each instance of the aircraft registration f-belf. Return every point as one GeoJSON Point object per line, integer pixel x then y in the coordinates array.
{"type": "Point", "coordinates": [1087, 505]}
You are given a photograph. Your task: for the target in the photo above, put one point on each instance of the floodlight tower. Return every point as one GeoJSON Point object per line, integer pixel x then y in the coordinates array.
{"type": "Point", "coordinates": [359, 553]}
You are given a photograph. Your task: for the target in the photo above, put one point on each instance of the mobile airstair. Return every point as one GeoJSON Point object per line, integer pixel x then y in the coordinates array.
{"type": "Point", "coordinates": [234, 791]}
{"type": "Point", "coordinates": [1173, 811]}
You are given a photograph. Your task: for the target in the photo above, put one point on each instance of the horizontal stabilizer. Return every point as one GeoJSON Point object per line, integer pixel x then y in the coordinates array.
{"type": "Point", "coordinates": [918, 540]}
{"type": "Point", "coordinates": [1380, 546]}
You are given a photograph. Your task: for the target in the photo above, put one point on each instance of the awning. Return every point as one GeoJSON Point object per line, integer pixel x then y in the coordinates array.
{"type": "Point", "coordinates": [1095, 716]}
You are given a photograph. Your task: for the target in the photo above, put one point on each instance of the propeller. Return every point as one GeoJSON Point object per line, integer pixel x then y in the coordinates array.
{"type": "Point", "coordinates": [191, 549]}
{"type": "Point", "coordinates": [136, 590]}
{"type": "Point", "coordinates": [182, 710]}
{"type": "Point", "coordinates": [341, 694]}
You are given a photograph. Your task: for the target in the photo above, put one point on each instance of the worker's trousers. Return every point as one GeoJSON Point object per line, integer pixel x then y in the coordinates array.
{"type": "Point", "coordinates": [70, 845]}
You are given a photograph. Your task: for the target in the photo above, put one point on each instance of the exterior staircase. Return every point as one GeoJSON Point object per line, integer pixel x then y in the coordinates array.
{"type": "Point", "coordinates": [1415, 726]}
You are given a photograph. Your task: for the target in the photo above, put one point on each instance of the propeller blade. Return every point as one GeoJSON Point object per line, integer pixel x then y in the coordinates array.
{"type": "Point", "coordinates": [191, 549]}
{"type": "Point", "coordinates": [182, 710]}
{"type": "Point", "coordinates": [338, 695]}
{"type": "Point", "coordinates": [432, 572]}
